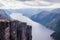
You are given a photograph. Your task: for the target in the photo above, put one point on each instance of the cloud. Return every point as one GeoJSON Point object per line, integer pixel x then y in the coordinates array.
{"type": "Point", "coordinates": [56, 1]}
{"type": "Point", "coordinates": [29, 4]}
{"type": "Point", "coordinates": [37, 3]}
{"type": "Point", "coordinates": [53, 1]}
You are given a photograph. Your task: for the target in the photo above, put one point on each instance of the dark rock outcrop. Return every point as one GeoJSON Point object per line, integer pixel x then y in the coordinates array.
{"type": "Point", "coordinates": [13, 29]}
{"type": "Point", "coordinates": [56, 35]}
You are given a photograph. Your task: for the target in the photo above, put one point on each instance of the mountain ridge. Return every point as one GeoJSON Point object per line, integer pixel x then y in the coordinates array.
{"type": "Point", "coordinates": [48, 18]}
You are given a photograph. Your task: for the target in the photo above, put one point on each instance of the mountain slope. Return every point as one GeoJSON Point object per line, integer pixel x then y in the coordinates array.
{"type": "Point", "coordinates": [39, 32]}
{"type": "Point", "coordinates": [46, 17]}
{"type": "Point", "coordinates": [41, 17]}
{"type": "Point", "coordinates": [3, 14]}
{"type": "Point", "coordinates": [55, 24]}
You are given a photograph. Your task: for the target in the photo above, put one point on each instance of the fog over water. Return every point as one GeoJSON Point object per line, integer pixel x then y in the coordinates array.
{"type": "Point", "coordinates": [39, 32]}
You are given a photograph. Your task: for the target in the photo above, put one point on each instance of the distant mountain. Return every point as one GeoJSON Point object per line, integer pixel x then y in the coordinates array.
{"type": "Point", "coordinates": [26, 12]}
{"type": "Point", "coordinates": [41, 17]}
{"type": "Point", "coordinates": [3, 14]}
{"type": "Point", "coordinates": [46, 17]}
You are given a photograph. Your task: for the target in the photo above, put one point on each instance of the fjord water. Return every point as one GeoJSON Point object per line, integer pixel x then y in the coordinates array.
{"type": "Point", "coordinates": [39, 32]}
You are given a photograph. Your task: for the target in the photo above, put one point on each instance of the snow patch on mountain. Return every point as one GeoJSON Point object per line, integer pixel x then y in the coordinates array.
{"type": "Point", "coordinates": [39, 32]}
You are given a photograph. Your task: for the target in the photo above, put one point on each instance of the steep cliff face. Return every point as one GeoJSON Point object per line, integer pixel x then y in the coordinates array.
{"type": "Point", "coordinates": [13, 29]}
{"type": "Point", "coordinates": [23, 31]}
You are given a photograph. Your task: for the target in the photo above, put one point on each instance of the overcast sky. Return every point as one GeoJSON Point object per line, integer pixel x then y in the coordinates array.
{"type": "Point", "coordinates": [53, 1]}
{"type": "Point", "coordinates": [29, 4]}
